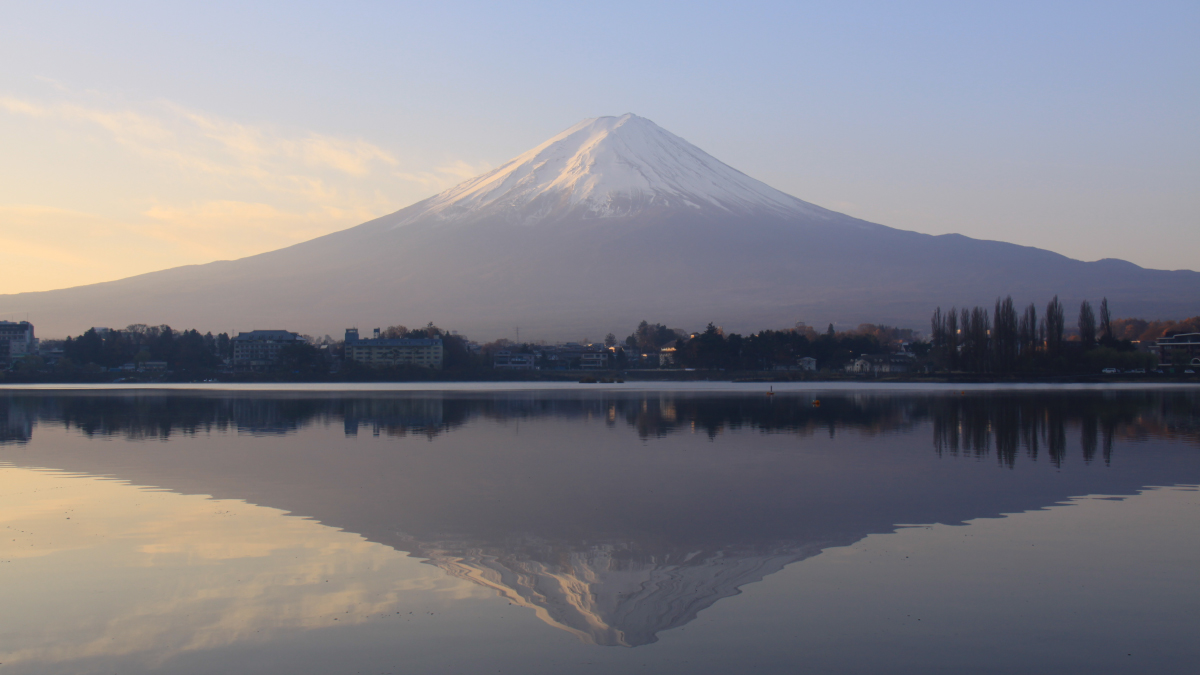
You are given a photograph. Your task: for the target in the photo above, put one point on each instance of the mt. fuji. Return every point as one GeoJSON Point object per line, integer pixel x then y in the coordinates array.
{"type": "Point", "coordinates": [611, 221]}
{"type": "Point", "coordinates": [610, 167]}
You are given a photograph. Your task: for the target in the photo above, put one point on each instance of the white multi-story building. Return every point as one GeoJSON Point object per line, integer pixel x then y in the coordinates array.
{"type": "Point", "coordinates": [1182, 349]}
{"type": "Point", "coordinates": [506, 360]}
{"type": "Point", "coordinates": [16, 341]}
{"type": "Point", "coordinates": [259, 349]}
{"type": "Point", "coordinates": [379, 352]}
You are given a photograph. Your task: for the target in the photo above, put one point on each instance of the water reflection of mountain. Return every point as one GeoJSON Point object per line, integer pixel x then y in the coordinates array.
{"type": "Point", "coordinates": [618, 517]}
{"type": "Point", "coordinates": [611, 594]}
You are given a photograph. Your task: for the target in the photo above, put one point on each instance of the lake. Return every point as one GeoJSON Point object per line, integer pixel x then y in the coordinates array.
{"type": "Point", "coordinates": [655, 528]}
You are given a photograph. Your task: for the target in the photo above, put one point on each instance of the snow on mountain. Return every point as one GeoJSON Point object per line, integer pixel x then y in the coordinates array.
{"type": "Point", "coordinates": [608, 167]}
{"type": "Point", "coordinates": [608, 594]}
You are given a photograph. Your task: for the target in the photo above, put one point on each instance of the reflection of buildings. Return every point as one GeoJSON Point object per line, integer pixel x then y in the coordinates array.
{"type": "Point", "coordinates": [608, 594]}
{"type": "Point", "coordinates": [616, 517]}
{"type": "Point", "coordinates": [16, 424]}
{"type": "Point", "coordinates": [395, 417]}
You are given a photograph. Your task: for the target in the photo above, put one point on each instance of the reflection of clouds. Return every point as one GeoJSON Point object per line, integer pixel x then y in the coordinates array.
{"type": "Point", "coordinates": [151, 574]}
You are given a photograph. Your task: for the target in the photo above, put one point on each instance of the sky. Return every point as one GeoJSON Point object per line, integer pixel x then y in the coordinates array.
{"type": "Point", "coordinates": [137, 136]}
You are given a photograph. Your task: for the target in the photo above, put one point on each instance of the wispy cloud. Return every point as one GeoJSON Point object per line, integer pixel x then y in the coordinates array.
{"type": "Point", "coordinates": [190, 186]}
{"type": "Point", "coordinates": [445, 176]}
{"type": "Point", "coordinates": [209, 144]}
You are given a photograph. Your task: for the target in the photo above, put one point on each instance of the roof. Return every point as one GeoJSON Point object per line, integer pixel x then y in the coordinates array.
{"type": "Point", "coordinates": [268, 335]}
{"type": "Point", "coordinates": [1181, 338]}
{"type": "Point", "coordinates": [880, 358]}
{"type": "Point", "coordinates": [395, 342]}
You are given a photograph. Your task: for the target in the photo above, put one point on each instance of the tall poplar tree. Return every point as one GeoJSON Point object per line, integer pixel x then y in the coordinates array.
{"type": "Point", "coordinates": [1087, 325]}
{"type": "Point", "coordinates": [952, 338]}
{"type": "Point", "coordinates": [1029, 330]}
{"type": "Point", "coordinates": [1005, 335]}
{"type": "Point", "coordinates": [1106, 331]}
{"type": "Point", "coordinates": [1055, 325]}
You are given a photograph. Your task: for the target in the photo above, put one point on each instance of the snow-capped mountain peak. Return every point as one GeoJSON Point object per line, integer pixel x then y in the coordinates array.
{"type": "Point", "coordinates": [606, 167]}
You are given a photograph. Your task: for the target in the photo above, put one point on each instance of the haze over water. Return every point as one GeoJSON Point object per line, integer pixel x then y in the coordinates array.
{"type": "Point", "coordinates": [583, 530]}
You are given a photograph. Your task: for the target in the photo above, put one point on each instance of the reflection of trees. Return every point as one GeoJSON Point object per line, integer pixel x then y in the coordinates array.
{"type": "Point", "coordinates": [1010, 423]}
{"type": "Point", "coordinates": [617, 546]}
{"type": "Point", "coordinates": [159, 416]}
{"type": "Point", "coordinates": [713, 416]}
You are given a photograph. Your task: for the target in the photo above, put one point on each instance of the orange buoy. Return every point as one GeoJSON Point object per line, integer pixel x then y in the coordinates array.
{"type": "Point", "coordinates": [816, 403]}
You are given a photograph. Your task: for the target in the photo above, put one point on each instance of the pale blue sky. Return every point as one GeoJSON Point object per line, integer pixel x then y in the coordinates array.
{"type": "Point", "coordinates": [141, 135]}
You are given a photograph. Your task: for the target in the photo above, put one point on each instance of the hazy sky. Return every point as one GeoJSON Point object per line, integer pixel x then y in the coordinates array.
{"type": "Point", "coordinates": [139, 136]}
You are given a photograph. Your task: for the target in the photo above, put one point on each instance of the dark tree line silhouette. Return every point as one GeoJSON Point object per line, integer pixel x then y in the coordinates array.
{"type": "Point", "coordinates": [1010, 424]}
{"type": "Point", "coordinates": [1001, 341]}
{"type": "Point", "coordinates": [713, 349]}
{"type": "Point", "coordinates": [183, 351]}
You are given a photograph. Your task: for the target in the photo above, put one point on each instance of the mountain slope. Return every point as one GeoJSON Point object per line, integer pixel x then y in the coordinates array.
{"type": "Point", "coordinates": [609, 167]}
{"type": "Point", "coordinates": [611, 221]}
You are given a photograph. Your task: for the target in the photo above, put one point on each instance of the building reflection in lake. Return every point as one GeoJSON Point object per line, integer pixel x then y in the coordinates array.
{"type": "Point", "coordinates": [616, 517]}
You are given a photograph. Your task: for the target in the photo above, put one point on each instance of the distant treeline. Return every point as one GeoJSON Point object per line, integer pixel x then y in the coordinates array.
{"type": "Point", "coordinates": [1004, 340]}
{"type": "Point", "coordinates": [188, 353]}
{"type": "Point", "coordinates": [1140, 330]}
{"type": "Point", "coordinates": [770, 348]}
{"type": "Point", "coordinates": [713, 349]}
{"type": "Point", "coordinates": [184, 351]}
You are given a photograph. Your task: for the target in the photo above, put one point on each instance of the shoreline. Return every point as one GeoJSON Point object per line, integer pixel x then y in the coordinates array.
{"type": "Point", "coordinates": [644, 386]}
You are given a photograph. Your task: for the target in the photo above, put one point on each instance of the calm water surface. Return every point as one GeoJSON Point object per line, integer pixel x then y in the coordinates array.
{"type": "Point", "coordinates": [581, 530]}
